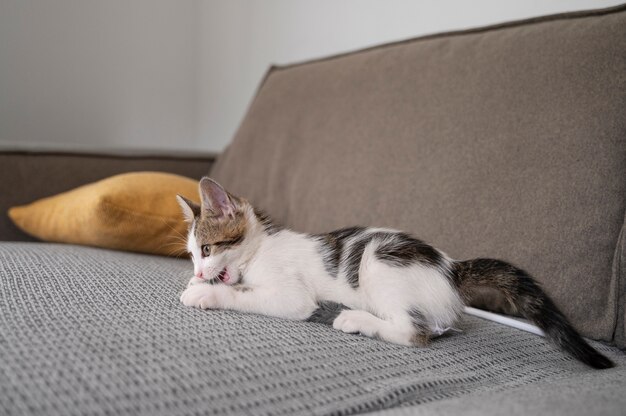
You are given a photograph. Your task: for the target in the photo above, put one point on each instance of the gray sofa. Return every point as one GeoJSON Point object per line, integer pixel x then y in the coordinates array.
{"type": "Point", "coordinates": [507, 141]}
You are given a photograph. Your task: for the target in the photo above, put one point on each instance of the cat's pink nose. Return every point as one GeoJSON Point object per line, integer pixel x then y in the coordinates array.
{"type": "Point", "coordinates": [199, 274]}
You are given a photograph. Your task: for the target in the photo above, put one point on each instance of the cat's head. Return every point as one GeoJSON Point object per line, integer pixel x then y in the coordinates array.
{"type": "Point", "coordinates": [219, 230]}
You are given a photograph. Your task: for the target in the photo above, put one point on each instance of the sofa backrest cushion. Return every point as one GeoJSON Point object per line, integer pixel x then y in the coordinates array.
{"type": "Point", "coordinates": [505, 142]}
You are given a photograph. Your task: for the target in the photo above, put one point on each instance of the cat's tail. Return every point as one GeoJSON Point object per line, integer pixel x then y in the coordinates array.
{"type": "Point", "coordinates": [501, 287]}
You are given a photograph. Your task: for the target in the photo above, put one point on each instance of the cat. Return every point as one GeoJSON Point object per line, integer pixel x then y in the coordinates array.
{"type": "Point", "coordinates": [378, 282]}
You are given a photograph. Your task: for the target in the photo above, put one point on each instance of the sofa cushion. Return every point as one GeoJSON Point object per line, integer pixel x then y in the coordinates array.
{"type": "Point", "coordinates": [506, 142]}
{"type": "Point", "coordinates": [134, 211]}
{"type": "Point", "coordinates": [39, 174]}
{"type": "Point", "coordinates": [93, 331]}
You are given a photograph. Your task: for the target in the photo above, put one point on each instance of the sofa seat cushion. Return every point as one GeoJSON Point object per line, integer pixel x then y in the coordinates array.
{"type": "Point", "coordinates": [93, 331]}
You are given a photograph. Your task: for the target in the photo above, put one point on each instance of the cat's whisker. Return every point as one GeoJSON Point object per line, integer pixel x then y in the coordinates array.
{"type": "Point", "coordinates": [175, 245]}
{"type": "Point", "coordinates": [176, 251]}
{"type": "Point", "coordinates": [173, 229]}
{"type": "Point", "coordinates": [178, 241]}
{"type": "Point", "coordinates": [178, 246]}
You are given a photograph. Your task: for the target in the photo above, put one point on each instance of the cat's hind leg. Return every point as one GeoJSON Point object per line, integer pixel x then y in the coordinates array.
{"type": "Point", "coordinates": [403, 330]}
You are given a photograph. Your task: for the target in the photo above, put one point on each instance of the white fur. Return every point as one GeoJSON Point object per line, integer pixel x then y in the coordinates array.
{"type": "Point", "coordinates": [286, 277]}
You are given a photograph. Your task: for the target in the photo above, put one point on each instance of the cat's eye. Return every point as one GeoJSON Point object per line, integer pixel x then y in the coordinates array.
{"type": "Point", "coordinates": [206, 250]}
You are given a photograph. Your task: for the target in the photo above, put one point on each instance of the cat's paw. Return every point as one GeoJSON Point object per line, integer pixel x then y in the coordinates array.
{"type": "Point", "coordinates": [195, 281]}
{"type": "Point", "coordinates": [200, 296]}
{"type": "Point", "coordinates": [354, 322]}
{"type": "Point", "coordinates": [206, 296]}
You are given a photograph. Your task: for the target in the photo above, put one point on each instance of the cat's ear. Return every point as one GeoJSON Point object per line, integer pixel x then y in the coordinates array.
{"type": "Point", "coordinates": [215, 199]}
{"type": "Point", "coordinates": [190, 209]}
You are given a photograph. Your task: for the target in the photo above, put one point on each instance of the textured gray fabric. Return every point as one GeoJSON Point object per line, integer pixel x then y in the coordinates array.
{"type": "Point", "coordinates": [89, 331]}
{"type": "Point", "coordinates": [597, 394]}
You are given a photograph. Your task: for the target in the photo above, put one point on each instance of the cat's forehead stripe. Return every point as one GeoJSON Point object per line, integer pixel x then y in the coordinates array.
{"type": "Point", "coordinates": [209, 230]}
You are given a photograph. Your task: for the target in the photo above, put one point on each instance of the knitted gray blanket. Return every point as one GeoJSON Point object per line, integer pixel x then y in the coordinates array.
{"type": "Point", "coordinates": [90, 331]}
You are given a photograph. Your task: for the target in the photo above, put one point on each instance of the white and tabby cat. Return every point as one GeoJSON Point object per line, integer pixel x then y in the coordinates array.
{"type": "Point", "coordinates": [377, 282]}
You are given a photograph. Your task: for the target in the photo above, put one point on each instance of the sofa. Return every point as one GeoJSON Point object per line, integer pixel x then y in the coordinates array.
{"type": "Point", "coordinates": [507, 141]}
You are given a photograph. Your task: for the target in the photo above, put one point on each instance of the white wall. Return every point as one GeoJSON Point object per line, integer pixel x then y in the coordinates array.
{"type": "Point", "coordinates": [179, 74]}
{"type": "Point", "coordinates": [98, 73]}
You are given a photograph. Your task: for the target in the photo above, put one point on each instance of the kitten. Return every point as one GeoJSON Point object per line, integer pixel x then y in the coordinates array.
{"type": "Point", "coordinates": [377, 282]}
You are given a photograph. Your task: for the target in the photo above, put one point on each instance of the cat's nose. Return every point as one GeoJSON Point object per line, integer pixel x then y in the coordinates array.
{"type": "Point", "coordinates": [199, 274]}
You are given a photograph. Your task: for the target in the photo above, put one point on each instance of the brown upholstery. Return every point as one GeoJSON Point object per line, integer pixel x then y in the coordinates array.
{"type": "Point", "coordinates": [506, 142]}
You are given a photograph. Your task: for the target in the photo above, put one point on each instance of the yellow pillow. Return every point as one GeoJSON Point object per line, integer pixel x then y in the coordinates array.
{"type": "Point", "coordinates": [131, 211]}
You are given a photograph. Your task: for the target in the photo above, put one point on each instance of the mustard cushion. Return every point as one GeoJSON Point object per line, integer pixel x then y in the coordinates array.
{"type": "Point", "coordinates": [132, 211]}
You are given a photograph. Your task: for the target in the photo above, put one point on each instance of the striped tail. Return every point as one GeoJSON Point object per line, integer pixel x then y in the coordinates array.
{"type": "Point", "coordinates": [501, 287]}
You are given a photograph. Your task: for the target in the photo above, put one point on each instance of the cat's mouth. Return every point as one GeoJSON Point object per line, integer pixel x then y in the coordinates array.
{"type": "Point", "coordinates": [224, 276]}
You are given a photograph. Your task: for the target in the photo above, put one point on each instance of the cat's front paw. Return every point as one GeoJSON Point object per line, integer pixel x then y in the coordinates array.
{"type": "Point", "coordinates": [205, 296]}
{"type": "Point", "coordinates": [195, 281]}
{"type": "Point", "coordinates": [200, 296]}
